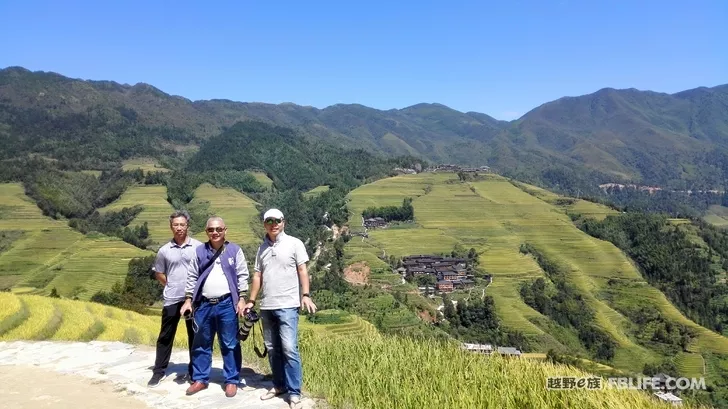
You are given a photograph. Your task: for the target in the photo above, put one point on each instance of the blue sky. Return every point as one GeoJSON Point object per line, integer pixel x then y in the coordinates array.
{"type": "Point", "coordinates": [502, 58]}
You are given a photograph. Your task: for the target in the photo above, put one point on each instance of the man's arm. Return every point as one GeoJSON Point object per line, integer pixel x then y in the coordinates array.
{"type": "Point", "coordinates": [159, 267]}
{"type": "Point", "coordinates": [161, 277]}
{"type": "Point", "coordinates": [192, 275]}
{"type": "Point", "coordinates": [301, 260]}
{"type": "Point", "coordinates": [303, 278]}
{"type": "Point", "coordinates": [241, 267]}
{"type": "Point", "coordinates": [256, 281]}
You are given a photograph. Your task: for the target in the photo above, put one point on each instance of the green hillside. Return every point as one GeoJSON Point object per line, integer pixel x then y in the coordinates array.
{"type": "Point", "coordinates": [155, 213]}
{"type": "Point", "coordinates": [49, 254]}
{"type": "Point", "coordinates": [363, 382]}
{"type": "Point", "coordinates": [238, 211]}
{"type": "Point", "coordinates": [676, 140]}
{"type": "Point", "coordinates": [717, 215]}
{"type": "Point", "coordinates": [495, 217]}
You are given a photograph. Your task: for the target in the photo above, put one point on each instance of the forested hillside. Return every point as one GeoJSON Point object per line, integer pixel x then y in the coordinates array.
{"type": "Point", "coordinates": [677, 141]}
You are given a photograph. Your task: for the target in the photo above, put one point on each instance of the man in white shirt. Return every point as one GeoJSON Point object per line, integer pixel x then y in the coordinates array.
{"type": "Point", "coordinates": [280, 269]}
{"type": "Point", "coordinates": [217, 284]}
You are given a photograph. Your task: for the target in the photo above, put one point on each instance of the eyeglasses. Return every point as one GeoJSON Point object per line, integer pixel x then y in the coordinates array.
{"type": "Point", "coordinates": [273, 221]}
{"type": "Point", "coordinates": [217, 229]}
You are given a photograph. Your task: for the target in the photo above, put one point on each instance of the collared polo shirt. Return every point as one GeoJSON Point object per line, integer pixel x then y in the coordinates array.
{"type": "Point", "coordinates": [278, 262]}
{"type": "Point", "coordinates": [174, 260]}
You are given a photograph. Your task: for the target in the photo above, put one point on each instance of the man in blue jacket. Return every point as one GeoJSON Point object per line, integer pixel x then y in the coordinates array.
{"type": "Point", "coordinates": [217, 285]}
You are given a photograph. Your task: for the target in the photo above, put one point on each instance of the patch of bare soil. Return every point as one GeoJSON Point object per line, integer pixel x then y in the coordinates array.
{"type": "Point", "coordinates": [27, 387]}
{"type": "Point", "coordinates": [357, 273]}
{"type": "Point", "coordinates": [425, 315]}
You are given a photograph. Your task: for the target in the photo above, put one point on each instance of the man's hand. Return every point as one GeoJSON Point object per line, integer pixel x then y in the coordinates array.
{"type": "Point", "coordinates": [187, 306]}
{"type": "Point", "coordinates": [249, 305]}
{"type": "Point", "coordinates": [307, 304]}
{"type": "Point", "coordinates": [240, 308]}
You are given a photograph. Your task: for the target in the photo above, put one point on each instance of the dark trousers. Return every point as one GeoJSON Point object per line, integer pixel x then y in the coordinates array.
{"type": "Point", "coordinates": [170, 320]}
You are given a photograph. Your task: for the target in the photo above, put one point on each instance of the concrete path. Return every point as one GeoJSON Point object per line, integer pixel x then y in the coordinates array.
{"type": "Point", "coordinates": [125, 369]}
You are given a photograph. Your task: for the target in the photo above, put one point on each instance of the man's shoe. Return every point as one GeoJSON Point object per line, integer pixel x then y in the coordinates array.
{"type": "Point", "coordinates": [196, 387]}
{"type": "Point", "coordinates": [157, 378]}
{"type": "Point", "coordinates": [230, 390]}
{"type": "Point", "coordinates": [272, 393]}
{"type": "Point", "coordinates": [294, 402]}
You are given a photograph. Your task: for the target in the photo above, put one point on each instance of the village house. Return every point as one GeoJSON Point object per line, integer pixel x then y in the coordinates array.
{"type": "Point", "coordinates": [374, 222]}
{"type": "Point", "coordinates": [463, 284]}
{"type": "Point", "coordinates": [669, 397]}
{"type": "Point", "coordinates": [478, 348]}
{"type": "Point", "coordinates": [488, 349]}
{"type": "Point", "coordinates": [444, 286]}
{"type": "Point", "coordinates": [509, 352]}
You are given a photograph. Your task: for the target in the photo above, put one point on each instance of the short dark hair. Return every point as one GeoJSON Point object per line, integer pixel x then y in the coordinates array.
{"type": "Point", "coordinates": [179, 213]}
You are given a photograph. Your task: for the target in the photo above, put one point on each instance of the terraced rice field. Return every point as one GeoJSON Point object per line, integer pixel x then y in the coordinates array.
{"type": "Point", "coordinates": [145, 164]}
{"type": "Point", "coordinates": [495, 217]}
{"type": "Point", "coordinates": [316, 191]}
{"type": "Point", "coordinates": [156, 209]}
{"type": "Point", "coordinates": [263, 179]}
{"type": "Point", "coordinates": [50, 254]}
{"type": "Point", "coordinates": [717, 215]}
{"type": "Point", "coordinates": [690, 364]}
{"type": "Point", "coordinates": [345, 325]}
{"type": "Point", "coordinates": [238, 211]}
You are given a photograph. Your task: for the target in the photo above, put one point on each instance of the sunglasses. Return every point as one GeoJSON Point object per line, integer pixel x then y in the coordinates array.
{"type": "Point", "coordinates": [217, 229]}
{"type": "Point", "coordinates": [273, 221]}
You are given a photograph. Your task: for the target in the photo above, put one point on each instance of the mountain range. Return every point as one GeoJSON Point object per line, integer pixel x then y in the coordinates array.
{"type": "Point", "coordinates": [672, 140]}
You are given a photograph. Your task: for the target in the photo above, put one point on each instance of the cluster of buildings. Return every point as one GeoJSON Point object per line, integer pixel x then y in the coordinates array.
{"type": "Point", "coordinates": [374, 222]}
{"type": "Point", "coordinates": [488, 349]}
{"type": "Point", "coordinates": [458, 168]}
{"type": "Point", "coordinates": [450, 272]}
{"type": "Point", "coordinates": [407, 171]}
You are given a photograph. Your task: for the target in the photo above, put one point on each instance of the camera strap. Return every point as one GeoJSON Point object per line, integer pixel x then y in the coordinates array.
{"type": "Point", "coordinates": [255, 344]}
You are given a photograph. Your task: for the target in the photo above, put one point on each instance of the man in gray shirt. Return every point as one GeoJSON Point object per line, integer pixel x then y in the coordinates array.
{"type": "Point", "coordinates": [170, 269]}
{"type": "Point", "coordinates": [280, 268]}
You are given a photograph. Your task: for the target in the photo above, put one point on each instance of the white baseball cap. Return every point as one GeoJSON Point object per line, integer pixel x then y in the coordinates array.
{"type": "Point", "coordinates": [274, 213]}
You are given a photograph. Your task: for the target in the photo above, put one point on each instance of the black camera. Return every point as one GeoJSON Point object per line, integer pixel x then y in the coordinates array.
{"type": "Point", "coordinates": [250, 318]}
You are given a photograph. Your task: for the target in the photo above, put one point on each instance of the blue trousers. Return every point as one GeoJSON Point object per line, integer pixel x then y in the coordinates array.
{"type": "Point", "coordinates": [280, 334]}
{"type": "Point", "coordinates": [220, 319]}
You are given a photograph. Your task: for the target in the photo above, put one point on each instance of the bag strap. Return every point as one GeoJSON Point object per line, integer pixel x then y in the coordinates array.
{"type": "Point", "coordinates": [212, 260]}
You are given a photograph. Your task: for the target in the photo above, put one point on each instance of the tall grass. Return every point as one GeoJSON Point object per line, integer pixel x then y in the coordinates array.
{"type": "Point", "coordinates": [385, 372]}
{"type": "Point", "coordinates": [350, 365]}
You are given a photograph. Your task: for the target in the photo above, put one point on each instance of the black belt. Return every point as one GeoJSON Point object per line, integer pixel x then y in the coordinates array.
{"type": "Point", "coordinates": [216, 300]}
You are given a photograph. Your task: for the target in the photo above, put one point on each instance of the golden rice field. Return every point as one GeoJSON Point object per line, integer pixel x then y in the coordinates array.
{"type": "Point", "coordinates": [156, 209]}
{"type": "Point", "coordinates": [379, 372]}
{"type": "Point", "coordinates": [145, 164]}
{"type": "Point", "coordinates": [237, 210]}
{"type": "Point", "coordinates": [495, 217]}
{"type": "Point", "coordinates": [50, 254]}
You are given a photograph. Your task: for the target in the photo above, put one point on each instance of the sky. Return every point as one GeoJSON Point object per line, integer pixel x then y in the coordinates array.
{"type": "Point", "coordinates": [501, 58]}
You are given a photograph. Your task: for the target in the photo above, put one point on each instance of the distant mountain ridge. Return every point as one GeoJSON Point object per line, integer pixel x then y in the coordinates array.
{"type": "Point", "coordinates": [674, 140]}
